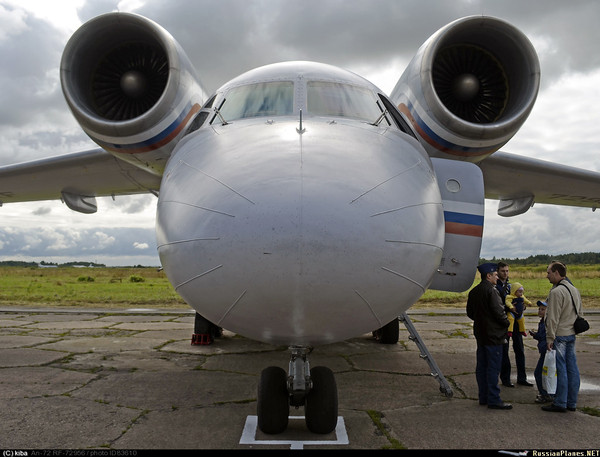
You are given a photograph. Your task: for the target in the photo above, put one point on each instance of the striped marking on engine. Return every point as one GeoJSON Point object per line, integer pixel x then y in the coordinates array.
{"type": "Point", "coordinates": [440, 143]}
{"type": "Point", "coordinates": [157, 141]}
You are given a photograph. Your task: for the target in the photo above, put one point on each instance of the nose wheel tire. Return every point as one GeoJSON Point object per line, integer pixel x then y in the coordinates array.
{"type": "Point", "coordinates": [273, 401]}
{"type": "Point", "coordinates": [321, 407]}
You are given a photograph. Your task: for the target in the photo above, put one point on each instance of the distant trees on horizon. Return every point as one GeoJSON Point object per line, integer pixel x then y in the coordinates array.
{"type": "Point", "coordinates": [43, 263]}
{"type": "Point", "coordinates": [582, 258]}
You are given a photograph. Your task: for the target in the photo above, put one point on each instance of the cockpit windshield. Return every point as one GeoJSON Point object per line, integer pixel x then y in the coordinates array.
{"type": "Point", "coordinates": [274, 98]}
{"type": "Point", "coordinates": [341, 100]}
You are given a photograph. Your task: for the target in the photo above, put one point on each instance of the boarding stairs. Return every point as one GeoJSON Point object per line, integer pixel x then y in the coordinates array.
{"type": "Point", "coordinates": [425, 354]}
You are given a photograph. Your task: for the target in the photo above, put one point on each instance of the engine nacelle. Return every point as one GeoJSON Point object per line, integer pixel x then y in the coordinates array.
{"type": "Point", "coordinates": [131, 87]}
{"type": "Point", "coordinates": [469, 88]}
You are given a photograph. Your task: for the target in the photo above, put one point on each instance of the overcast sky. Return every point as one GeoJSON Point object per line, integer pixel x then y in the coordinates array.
{"type": "Point", "coordinates": [374, 38]}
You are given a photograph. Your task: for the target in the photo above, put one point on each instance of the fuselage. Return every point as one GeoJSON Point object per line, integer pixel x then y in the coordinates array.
{"type": "Point", "coordinates": [299, 205]}
{"type": "Point", "coordinates": [298, 213]}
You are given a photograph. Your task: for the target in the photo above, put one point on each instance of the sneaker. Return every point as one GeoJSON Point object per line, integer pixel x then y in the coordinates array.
{"type": "Point", "coordinates": [543, 398]}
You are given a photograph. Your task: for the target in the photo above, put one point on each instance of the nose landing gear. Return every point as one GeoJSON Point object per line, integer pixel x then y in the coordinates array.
{"type": "Point", "coordinates": [273, 401]}
{"type": "Point", "coordinates": [315, 389]}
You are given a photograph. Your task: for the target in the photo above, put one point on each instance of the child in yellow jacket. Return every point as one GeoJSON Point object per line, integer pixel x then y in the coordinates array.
{"type": "Point", "coordinates": [517, 303]}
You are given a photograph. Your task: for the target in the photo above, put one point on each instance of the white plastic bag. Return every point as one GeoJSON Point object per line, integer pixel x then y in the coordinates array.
{"type": "Point", "coordinates": [549, 372]}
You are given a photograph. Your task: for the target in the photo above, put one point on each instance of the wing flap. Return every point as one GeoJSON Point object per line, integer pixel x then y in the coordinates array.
{"type": "Point", "coordinates": [513, 179]}
{"type": "Point", "coordinates": [88, 173]}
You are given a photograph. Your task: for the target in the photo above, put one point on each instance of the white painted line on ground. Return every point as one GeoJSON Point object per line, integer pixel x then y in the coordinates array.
{"type": "Point", "coordinates": [251, 429]}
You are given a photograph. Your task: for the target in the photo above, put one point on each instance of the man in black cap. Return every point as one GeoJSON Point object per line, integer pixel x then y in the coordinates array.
{"type": "Point", "coordinates": [486, 308]}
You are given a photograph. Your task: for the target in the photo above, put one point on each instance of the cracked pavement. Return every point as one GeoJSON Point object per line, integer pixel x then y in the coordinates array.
{"type": "Point", "coordinates": [130, 379]}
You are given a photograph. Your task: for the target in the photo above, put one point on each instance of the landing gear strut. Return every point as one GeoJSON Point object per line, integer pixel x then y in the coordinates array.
{"type": "Point", "coordinates": [315, 389]}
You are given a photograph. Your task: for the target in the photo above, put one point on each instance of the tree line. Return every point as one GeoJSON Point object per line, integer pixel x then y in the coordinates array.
{"type": "Point", "coordinates": [42, 264]}
{"type": "Point", "coordinates": [22, 264]}
{"type": "Point", "coordinates": [581, 258]}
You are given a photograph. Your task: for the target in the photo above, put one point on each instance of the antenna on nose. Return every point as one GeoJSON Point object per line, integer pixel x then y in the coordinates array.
{"type": "Point", "coordinates": [301, 129]}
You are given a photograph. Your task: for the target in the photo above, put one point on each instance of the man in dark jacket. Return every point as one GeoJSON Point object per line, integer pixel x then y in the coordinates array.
{"type": "Point", "coordinates": [504, 288]}
{"type": "Point", "coordinates": [490, 325]}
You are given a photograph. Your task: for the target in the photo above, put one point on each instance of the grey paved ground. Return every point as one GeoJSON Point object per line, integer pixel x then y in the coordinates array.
{"type": "Point", "coordinates": [131, 380]}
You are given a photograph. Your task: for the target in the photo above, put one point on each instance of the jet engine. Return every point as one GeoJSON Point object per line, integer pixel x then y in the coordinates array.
{"type": "Point", "coordinates": [131, 87]}
{"type": "Point", "coordinates": [469, 88]}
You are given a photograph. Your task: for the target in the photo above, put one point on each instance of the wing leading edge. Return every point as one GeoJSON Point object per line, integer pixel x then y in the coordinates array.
{"type": "Point", "coordinates": [93, 173]}
{"type": "Point", "coordinates": [519, 182]}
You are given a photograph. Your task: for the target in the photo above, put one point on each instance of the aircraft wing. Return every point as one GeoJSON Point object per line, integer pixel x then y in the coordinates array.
{"type": "Point", "coordinates": [519, 181]}
{"type": "Point", "coordinates": [88, 174]}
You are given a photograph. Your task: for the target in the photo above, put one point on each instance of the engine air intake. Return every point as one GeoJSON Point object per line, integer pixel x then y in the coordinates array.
{"type": "Point", "coordinates": [470, 83]}
{"type": "Point", "coordinates": [129, 81]}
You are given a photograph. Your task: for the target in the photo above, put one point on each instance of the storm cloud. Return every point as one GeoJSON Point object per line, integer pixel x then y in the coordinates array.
{"type": "Point", "coordinates": [227, 37]}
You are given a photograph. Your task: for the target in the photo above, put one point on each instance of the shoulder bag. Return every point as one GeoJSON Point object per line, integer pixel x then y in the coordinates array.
{"type": "Point", "coordinates": [580, 325]}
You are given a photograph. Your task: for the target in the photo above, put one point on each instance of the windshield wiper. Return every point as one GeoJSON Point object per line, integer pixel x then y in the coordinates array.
{"type": "Point", "coordinates": [217, 111]}
{"type": "Point", "coordinates": [382, 116]}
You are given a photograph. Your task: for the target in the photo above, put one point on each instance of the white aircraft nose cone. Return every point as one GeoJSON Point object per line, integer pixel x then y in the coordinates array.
{"type": "Point", "coordinates": [299, 248]}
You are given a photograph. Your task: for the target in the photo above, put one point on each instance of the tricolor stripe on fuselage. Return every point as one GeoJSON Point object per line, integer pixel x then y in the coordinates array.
{"type": "Point", "coordinates": [463, 224]}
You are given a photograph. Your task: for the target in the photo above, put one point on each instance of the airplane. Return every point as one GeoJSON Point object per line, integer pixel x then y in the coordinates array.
{"type": "Point", "coordinates": [299, 205]}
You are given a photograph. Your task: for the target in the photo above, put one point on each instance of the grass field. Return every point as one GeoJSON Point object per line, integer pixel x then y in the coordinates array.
{"type": "Point", "coordinates": [79, 287]}
{"type": "Point", "coordinates": [533, 278]}
{"type": "Point", "coordinates": [148, 287]}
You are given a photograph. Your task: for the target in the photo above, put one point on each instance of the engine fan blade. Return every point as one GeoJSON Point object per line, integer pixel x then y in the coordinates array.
{"type": "Point", "coordinates": [129, 81]}
{"type": "Point", "coordinates": [471, 83]}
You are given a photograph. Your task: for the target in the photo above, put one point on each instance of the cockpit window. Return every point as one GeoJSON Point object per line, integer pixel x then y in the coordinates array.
{"type": "Point", "coordinates": [341, 100]}
{"type": "Point", "coordinates": [263, 99]}
{"type": "Point", "coordinates": [398, 119]}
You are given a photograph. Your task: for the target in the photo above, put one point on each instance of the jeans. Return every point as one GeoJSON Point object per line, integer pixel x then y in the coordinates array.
{"type": "Point", "coordinates": [489, 360]}
{"type": "Point", "coordinates": [567, 373]}
{"type": "Point", "coordinates": [537, 373]}
{"type": "Point", "coordinates": [519, 350]}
